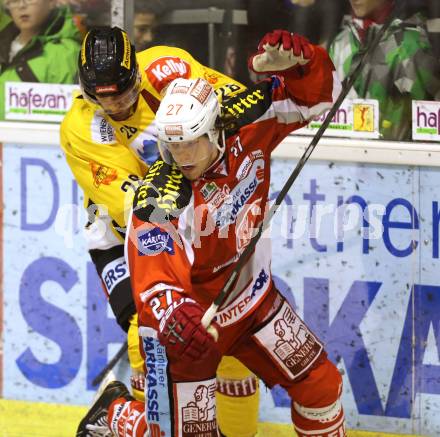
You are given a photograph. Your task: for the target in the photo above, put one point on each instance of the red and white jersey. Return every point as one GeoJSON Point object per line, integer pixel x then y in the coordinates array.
{"type": "Point", "coordinates": [194, 255]}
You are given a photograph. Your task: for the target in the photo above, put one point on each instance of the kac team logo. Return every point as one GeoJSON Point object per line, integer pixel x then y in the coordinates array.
{"type": "Point", "coordinates": [154, 242]}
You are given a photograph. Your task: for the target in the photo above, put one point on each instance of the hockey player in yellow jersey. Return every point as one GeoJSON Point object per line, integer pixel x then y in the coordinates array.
{"type": "Point", "coordinates": [109, 139]}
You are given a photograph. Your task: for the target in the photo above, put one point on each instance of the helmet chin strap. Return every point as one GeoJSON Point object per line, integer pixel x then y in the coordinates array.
{"type": "Point", "coordinates": [222, 147]}
{"type": "Point", "coordinates": [214, 135]}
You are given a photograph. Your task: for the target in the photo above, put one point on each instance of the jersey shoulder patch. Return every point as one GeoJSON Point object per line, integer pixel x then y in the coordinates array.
{"type": "Point", "coordinates": [245, 107]}
{"type": "Point", "coordinates": [162, 69]}
{"type": "Point", "coordinates": [163, 195]}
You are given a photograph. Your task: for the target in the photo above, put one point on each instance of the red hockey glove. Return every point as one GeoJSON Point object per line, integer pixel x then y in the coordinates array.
{"type": "Point", "coordinates": [280, 50]}
{"type": "Point", "coordinates": [183, 335]}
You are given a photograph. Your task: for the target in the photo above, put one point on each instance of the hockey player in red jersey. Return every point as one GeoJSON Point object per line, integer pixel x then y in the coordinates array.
{"type": "Point", "coordinates": [192, 219]}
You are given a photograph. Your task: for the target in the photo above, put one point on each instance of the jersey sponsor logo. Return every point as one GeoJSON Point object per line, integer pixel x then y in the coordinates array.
{"type": "Point", "coordinates": [248, 299]}
{"type": "Point", "coordinates": [227, 213]}
{"type": "Point", "coordinates": [263, 277]}
{"type": "Point", "coordinates": [208, 190]}
{"type": "Point", "coordinates": [102, 131]}
{"type": "Point", "coordinates": [233, 312]}
{"type": "Point", "coordinates": [124, 417]}
{"type": "Point", "coordinates": [243, 170]}
{"type": "Point", "coordinates": [289, 342]}
{"type": "Point", "coordinates": [164, 70]}
{"type": "Point", "coordinates": [163, 195]}
{"type": "Point", "coordinates": [156, 391]}
{"type": "Point", "coordinates": [219, 197]}
{"type": "Point", "coordinates": [102, 174]}
{"type": "Point", "coordinates": [201, 91]}
{"type": "Point", "coordinates": [198, 413]}
{"type": "Point", "coordinates": [118, 416]}
{"type": "Point", "coordinates": [154, 242]}
{"type": "Point", "coordinates": [114, 272]}
{"type": "Point", "coordinates": [241, 104]}
{"type": "Point", "coordinates": [152, 395]}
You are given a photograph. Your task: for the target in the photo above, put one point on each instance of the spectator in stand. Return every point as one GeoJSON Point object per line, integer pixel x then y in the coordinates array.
{"type": "Point", "coordinates": [318, 20]}
{"type": "Point", "coordinates": [89, 13]}
{"type": "Point", "coordinates": [401, 69]}
{"type": "Point", "coordinates": [33, 43]}
{"type": "Point", "coordinates": [146, 17]}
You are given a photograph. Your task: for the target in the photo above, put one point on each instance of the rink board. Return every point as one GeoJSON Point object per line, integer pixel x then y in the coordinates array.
{"type": "Point", "coordinates": [365, 290]}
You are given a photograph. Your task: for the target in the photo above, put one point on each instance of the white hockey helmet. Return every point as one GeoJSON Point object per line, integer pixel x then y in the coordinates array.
{"type": "Point", "coordinates": [188, 110]}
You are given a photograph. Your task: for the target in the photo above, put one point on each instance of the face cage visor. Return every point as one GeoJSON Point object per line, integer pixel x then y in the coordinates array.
{"type": "Point", "coordinates": [116, 103]}
{"type": "Point", "coordinates": [189, 153]}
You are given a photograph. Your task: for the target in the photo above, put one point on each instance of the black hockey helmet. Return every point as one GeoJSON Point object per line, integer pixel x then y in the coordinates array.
{"type": "Point", "coordinates": [107, 62]}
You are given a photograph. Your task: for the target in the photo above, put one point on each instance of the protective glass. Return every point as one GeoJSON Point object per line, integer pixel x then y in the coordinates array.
{"type": "Point", "coordinates": [115, 104]}
{"type": "Point", "coordinates": [186, 153]}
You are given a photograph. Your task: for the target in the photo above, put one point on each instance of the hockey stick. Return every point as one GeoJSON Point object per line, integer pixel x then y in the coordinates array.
{"type": "Point", "coordinates": [347, 84]}
{"type": "Point", "coordinates": [112, 363]}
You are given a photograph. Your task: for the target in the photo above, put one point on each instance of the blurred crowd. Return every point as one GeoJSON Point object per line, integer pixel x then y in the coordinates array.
{"type": "Point", "coordinates": [33, 33]}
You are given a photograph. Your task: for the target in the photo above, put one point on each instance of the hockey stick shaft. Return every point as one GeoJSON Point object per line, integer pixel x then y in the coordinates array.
{"type": "Point", "coordinates": [112, 363]}
{"type": "Point", "coordinates": [347, 84]}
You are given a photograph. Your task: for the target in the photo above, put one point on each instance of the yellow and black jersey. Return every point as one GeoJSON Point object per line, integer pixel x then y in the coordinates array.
{"type": "Point", "coordinates": [107, 157]}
